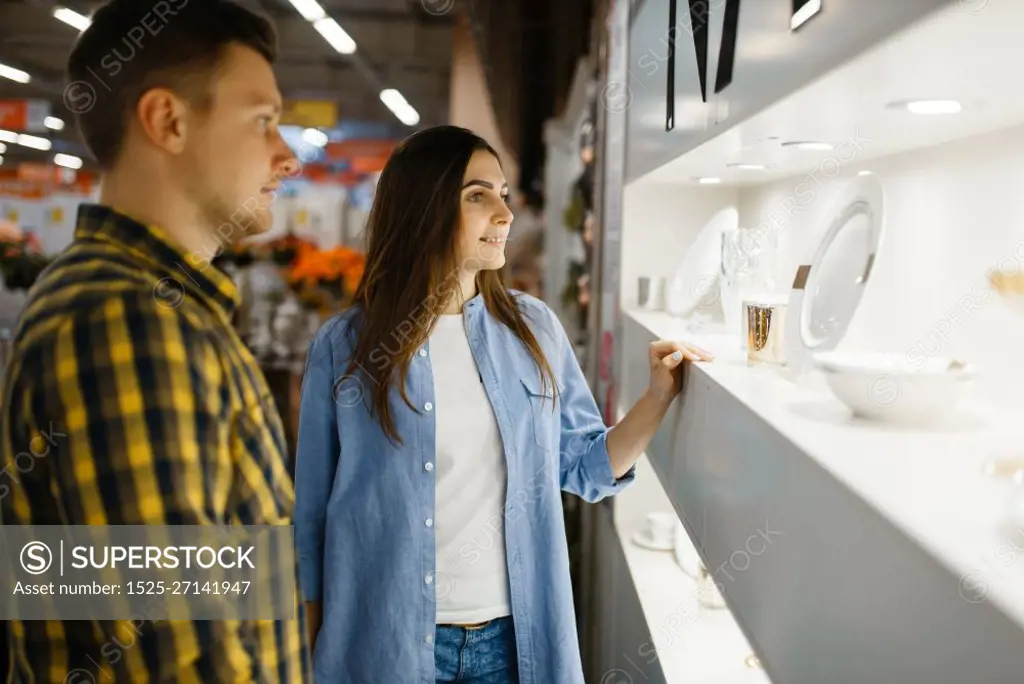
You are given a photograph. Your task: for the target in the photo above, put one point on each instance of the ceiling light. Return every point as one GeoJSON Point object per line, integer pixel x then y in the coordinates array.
{"type": "Point", "coordinates": [72, 18]}
{"type": "Point", "coordinates": [8, 136]}
{"type": "Point", "coordinates": [801, 16]}
{"type": "Point", "coordinates": [399, 107]}
{"type": "Point", "coordinates": [808, 145]}
{"type": "Point", "coordinates": [1, 160]}
{"type": "Point", "coordinates": [709, 181]}
{"type": "Point", "coordinates": [68, 161]}
{"type": "Point", "coordinates": [53, 123]}
{"type": "Point", "coordinates": [315, 137]}
{"type": "Point", "coordinates": [35, 142]}
{"type": "Point", "coordinates": [309, 9]}
{"type": "Point", "coordinates": [3, 148]}
{"type": "Point", "coordinates": [14, 74]}
{"type": "Point", "coordinates": [335, 35]}
{"type": "Point", "coordinates": [863, 173]}
{"type": "Point", "coordinates": [747, 167]}
{"type": "Point", "coordinates": [933, 107]}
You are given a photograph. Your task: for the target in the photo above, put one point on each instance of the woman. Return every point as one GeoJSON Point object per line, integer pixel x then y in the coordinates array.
{"type": "Point", "coordinates": [441, 417]}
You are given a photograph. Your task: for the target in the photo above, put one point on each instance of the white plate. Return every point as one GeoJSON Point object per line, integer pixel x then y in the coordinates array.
{"type": "Point", "coordinates": [828, 287]}
{"type": "Point", "coordinates": [696, 280]}
{"type": "Point", "coordinates": [643, 538]}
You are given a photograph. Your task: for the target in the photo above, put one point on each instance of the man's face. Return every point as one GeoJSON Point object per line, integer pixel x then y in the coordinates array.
{"type": "Point", "coordinates": [235, 157]}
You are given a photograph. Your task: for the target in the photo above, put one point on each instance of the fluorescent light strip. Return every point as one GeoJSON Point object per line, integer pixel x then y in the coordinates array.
{"type": "Point", "coordinates": [35, 142]}
{"type": "Point", "coordinates": [16, 75]}
{"type": "Point", "coordinates": [335, 35]}
{"type": "Point", "coordinates": [72, 18]}
{"type": "Point", "coordinates": [8, 137]}
{"type": "Point", "coordinates": [3, 148]}
{"type": "Point", "coordinates": [68, 161]}
{"type": "Point", "coordinates": [394, 101]}
{"type": "Point", "coordinates": [309, 9]}
{"type": "Point", "coordinates": [53, 123]}
{"type": "Point", "coordinates": [801, 16]}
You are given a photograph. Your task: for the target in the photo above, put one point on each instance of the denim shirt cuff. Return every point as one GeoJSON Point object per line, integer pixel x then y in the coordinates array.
{"type": "Point", "coordinates": [599, 467]}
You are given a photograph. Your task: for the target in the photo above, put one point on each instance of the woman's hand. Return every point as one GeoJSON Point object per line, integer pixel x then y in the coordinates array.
{"type": "Point", "coordinates": [665, 358]}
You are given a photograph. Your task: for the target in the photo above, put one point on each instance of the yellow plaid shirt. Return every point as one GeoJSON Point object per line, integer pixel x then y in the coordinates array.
{"type": "Point", "coordinates": [153, 412]}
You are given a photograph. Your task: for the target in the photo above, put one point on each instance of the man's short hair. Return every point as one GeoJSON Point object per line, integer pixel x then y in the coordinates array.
{"type": "Point", "coordinates": [133, 46]}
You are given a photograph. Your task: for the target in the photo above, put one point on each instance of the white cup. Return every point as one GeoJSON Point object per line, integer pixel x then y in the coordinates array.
{"type": "Point", "coordinates": [662, 528]}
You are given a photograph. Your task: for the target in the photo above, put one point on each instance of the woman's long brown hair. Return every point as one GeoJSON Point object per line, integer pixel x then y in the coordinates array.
{"type": "Point", "coordinates": [412, 265]}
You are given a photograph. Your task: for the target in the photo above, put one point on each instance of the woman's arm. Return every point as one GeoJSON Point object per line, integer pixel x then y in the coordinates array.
{"type": "Point", "coordinates": [628, 439]}
{"type": "Point", "coordinates": [596, 461]}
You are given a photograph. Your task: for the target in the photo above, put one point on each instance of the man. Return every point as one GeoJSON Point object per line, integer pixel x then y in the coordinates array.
{"type": "Point", "coordinates": [124, 360]}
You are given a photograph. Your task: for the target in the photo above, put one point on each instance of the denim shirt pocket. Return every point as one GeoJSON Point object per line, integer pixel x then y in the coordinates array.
{"type": "Point", "coordinates": [543, 412]}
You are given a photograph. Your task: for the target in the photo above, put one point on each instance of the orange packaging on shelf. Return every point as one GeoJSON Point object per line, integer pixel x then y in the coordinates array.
{"type": "Point", "coordinates": [24, 115]}
{"type": "Point", "coordinates": [348, 149]}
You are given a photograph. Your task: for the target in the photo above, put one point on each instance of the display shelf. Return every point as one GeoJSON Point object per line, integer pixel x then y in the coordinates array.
{"type": "Point", "coordinates": [692, 643]}
{"type": "Point", "coordinates": [851, 552]}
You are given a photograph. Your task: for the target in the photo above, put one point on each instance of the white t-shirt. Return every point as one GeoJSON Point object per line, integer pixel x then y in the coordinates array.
{"type": "Point", "coordinates": [472, 577]}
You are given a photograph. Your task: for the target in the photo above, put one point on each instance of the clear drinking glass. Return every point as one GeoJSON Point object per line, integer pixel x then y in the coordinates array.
{"type": "Point", "coordinates": [748, 269]}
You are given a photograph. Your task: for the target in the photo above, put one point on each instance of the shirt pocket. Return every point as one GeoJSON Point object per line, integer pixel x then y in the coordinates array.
{"type": "Point", "coordinates": [543, 412]}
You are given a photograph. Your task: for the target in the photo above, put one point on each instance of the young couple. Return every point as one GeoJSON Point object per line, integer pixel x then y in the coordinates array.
{"type": "Point", "coordinates": [441, 416]}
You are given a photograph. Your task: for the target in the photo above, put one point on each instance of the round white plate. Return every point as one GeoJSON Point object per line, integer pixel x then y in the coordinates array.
{"type": "Point", "coordinates": [643, 538]}
{"type": "Point", "coordinates": [696, 280]}
{"type": "Point", "coordinates": [828, 287]}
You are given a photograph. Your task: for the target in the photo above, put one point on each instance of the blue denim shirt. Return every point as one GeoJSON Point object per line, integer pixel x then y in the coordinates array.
{"type": "Point", "coordinates": [366, 548]}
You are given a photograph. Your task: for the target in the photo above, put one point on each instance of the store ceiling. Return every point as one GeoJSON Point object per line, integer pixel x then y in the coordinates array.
{"type": "Point", "coordinates": [402, 44]}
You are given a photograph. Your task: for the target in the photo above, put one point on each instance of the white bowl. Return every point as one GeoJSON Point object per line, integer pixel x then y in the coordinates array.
{"type": "Point", "coordinates": [893, 388]}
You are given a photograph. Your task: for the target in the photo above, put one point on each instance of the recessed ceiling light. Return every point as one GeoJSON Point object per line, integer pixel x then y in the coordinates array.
{"type": "Point", "coordinates": [933, 106]}
{"type": "Point", "coordinates": [747, 167]}
{"type": "Point", "coordinates": [801, 16]}
{"type": "Point", "coordinates": [54, 123]}
{"type": "Point", "coordinates": [708, 180]}
{"type": "Point", "coordinates": [808, 145]}
{"type": "Point", "coordinates": [863, 173]}
{"type": "Point", "coordinates": [3, 148]}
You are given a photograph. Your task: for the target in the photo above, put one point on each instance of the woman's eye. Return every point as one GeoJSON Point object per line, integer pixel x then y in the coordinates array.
{"type": "Point", "coordinates": [475, 196]}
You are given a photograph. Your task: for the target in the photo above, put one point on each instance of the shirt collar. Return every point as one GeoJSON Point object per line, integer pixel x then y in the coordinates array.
{"type": "Point", "coordinates": [155, 245]}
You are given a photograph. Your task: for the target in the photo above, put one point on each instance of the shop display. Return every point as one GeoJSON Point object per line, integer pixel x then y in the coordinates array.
{"type": "Point", "coordinates": [696, 280]}
{"type": "Point", "coordinates": [829, 286]}
{"type": "Point", "coordinates": [882, 387]}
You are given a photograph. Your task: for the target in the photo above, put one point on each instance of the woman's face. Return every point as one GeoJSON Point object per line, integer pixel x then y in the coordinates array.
{"type": "Point", "coordinates": [484, 213]}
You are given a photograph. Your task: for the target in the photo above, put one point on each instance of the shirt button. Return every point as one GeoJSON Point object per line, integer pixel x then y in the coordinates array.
{"type": "Point", "coordinates": [423, 352]}
{"type": "Point", "coordinates": [428, 579]}
{"type": "Point", "coordinates": [429, 638]}
{"type": "Point", "coordinates": [428, 466]}
{"type": "Point", "coordinates": [429, 522]}
{"type": "Point", "coordinates": [428, 406]}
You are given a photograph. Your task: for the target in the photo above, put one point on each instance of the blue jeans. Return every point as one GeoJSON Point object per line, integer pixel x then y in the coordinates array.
{"type": "Point", "coordinates": [476, 655]}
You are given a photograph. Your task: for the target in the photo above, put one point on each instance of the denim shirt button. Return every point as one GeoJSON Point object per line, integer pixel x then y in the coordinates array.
{"type": "Point", "coordinates": [428, 466]}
